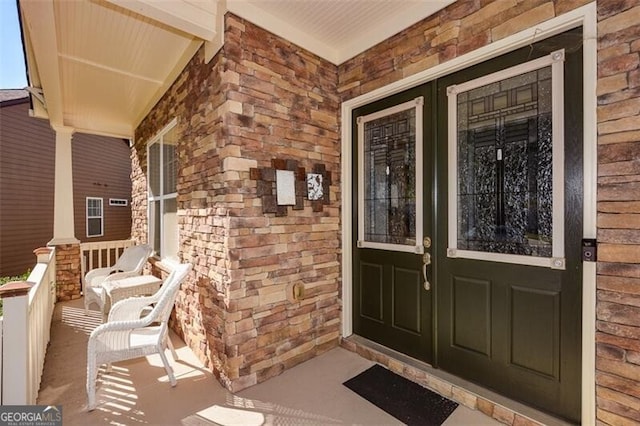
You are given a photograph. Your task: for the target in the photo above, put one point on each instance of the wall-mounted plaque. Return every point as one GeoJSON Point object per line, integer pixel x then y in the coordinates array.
{"type": "Point", "coordinates": [285, 187]}
{"type": "Point", "coordinates": [285, 183]}
{"type": "Point", "coordinates": [314, 186]}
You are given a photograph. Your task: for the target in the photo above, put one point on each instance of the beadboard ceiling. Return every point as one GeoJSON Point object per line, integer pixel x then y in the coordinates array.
{"type": "Point", "coordinates": [336, 30]}
{"type": "Point", "coordinates": [99, 66]}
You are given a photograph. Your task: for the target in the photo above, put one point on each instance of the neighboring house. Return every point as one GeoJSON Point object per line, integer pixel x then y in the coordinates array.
{"type": "Point", "coordinates": [465, 250]}
{"type": "Point", "coordinates": [101, 180]}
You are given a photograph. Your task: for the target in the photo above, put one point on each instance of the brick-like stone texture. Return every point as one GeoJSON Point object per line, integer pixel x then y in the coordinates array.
{"type": "Point", "coordinates": [462, 27]}
{"type": "Point", "coordinates": [618, 300]}
{"type": "Point", "coordinates": [68, 284]}
{"type": "Point", "coordinates": [260, 98]}
{"type": "Point", "coordinates": [456, 393]}
{"type": "Point", "coordinates": [468, 25]}
{"type": "Point", "coordinates": [263, 98]}
{"type": "Point", "coordinates": [196, 100]}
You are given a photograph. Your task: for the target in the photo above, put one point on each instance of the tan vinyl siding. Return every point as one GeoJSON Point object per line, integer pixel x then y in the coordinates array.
{"type": "Point", "coordinates": [101, 168]}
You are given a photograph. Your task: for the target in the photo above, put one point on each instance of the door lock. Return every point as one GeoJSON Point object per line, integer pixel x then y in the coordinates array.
{"type": "Point", "coordinates": [426, 242]}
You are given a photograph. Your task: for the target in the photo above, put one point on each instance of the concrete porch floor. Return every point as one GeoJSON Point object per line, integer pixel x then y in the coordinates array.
{"type": "Point", "coordinates": [138, 391]}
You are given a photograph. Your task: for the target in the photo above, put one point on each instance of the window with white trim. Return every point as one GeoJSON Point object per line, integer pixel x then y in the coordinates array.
{"type": "Point", "coordinates": [95, 217]}
{"type": "Point", "coordinates": [118, 202]}
{"type": "Point", "coordinates": [506, 165]}
{"type": "Point", "coordinates": [162, 178]}
{"type": "Point", "coordinates": [390, 178]}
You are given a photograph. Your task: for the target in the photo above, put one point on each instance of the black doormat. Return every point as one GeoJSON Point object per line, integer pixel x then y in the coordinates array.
{"type": "Point", "coordinates": [405, 400]}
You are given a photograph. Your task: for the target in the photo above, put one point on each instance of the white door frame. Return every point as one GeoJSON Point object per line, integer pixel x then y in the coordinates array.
{"type": "Point", "coordinates": [585, 16]}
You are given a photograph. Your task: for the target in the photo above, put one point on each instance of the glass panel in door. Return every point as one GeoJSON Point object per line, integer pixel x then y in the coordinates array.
{"type": "Point", "coordinates": [505, 198]}
{"type": "Point", "coordinates": [509, 271]}
{"type": "Point", "coordinates": [391, 305]}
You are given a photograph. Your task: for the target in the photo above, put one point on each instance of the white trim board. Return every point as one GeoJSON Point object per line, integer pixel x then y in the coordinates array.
{"type": "Point", "coordinates": [416, 105]}
{"type": "Point", "coordinates": [585, 16]}
{"type": "Point", "coordinates": [554, 61]}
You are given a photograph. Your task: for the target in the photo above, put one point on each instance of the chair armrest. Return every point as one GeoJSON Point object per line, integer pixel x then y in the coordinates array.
{"type": "Point", "coordinates": [113, 336]}
{"type": "Point", "coordinates": [129, 309]}
{"type": "Point", "coordinates": [115, 332]}
{"type": "Point", "coordinates": [98, 272]}
{"type": "Point", "coordinates": [120, 275]}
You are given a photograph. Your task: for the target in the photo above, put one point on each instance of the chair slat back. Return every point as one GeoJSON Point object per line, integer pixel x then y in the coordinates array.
{"type": "Point", "coordinates": [133, 258]}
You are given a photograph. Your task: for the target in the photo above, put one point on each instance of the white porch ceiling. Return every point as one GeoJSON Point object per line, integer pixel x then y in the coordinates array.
{"type": "Point", "coordinates": [103, 64]}
{"type": "Point", "coordinates": [336, 30]}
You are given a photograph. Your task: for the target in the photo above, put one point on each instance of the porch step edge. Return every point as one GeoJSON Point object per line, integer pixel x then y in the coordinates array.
{"type": "Point", "coordinates": [471, 395]}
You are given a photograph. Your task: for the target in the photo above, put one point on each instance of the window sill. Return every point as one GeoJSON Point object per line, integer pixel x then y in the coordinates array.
{"type": "Point", "coordinates": [164, 265]}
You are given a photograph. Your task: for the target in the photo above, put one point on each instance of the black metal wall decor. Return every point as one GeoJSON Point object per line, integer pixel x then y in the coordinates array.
{"type": "Point", "coordinates": [313, 186]}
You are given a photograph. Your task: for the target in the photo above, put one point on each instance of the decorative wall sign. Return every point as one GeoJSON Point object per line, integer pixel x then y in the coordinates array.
{"type": "Point", "coordinates": [285, 184]}
{"type": "Point", "coordinates": [325, 182]}
{"type": "Point", "coordinates": [285, 188]}
{"type": "Point", "coordinates": [314, 186]}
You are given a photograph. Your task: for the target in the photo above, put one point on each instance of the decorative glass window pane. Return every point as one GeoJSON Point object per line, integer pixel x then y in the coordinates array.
{"type": "Point", "coordinates": [390, 178]}
{"type": "Point", "coordinates": [505, 166]}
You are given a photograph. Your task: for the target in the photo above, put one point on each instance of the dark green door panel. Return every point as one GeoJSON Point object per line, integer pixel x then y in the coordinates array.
{"type": "Point", "coordinates": [516, 328]}
{"type": "Point", "coordinates": [371, 296]}
{"type": "Point", "coordinates": [390, 304]}
{"type": "Point", "coordinates": [471, 314]}
{"type": "Point", "coordinates": [406, 287]}
{"type": "Point", "coordinates": [535, 345]}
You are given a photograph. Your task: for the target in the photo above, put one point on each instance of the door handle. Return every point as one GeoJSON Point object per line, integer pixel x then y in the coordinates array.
{"type": "Point", "coordinates": [426, 260]}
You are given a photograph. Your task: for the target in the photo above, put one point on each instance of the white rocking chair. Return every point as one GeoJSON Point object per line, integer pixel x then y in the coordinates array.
{"type": "Point", "coordinates": [126, 335]}
{"type": "Point", "coordinates": [129, 264]}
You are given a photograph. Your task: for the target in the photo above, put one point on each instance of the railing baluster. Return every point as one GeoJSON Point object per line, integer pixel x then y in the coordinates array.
{"type": "Point", "coordinates": [28, 316]}
{"type": "Point", "coordinates": [103, 253]}
{"type": "Point", "coordinates": [90, 259]}
{"type": "Point", "coordinates": [27, 322]}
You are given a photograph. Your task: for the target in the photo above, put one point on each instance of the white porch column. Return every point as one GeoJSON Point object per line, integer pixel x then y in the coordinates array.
{"type": "Point", "coordinates": [63, 222]}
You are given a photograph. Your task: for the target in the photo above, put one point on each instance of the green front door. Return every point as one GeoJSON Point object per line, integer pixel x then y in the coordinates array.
{"type": "Point", "coordinates": [394, 158]}
{"type": "Point", "coordinates": [509, 276]}
{"type": "Point", "coordinates": [467, 249]}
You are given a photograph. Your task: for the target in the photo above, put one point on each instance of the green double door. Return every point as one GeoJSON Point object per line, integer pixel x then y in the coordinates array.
{"type": "Point", "coordinates": [468, 223]}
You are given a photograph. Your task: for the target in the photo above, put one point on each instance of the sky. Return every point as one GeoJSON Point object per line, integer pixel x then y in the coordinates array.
{"type": "Point", "coordinates": [12, 73]}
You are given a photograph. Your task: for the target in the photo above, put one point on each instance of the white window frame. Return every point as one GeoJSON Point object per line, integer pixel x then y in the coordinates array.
{"type": "Point", "coordinates": [101, 217]}
{"type": "Point", "coordinates": [416, 104]}
{"type": "Point", "coordinates": [159, 138]}
{"type": "Point", "coordinates": [118, 202]}
{"type": "Point", "coordinates": [557, 259]}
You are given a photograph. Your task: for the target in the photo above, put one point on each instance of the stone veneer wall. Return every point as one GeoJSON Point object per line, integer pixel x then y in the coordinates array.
{"type": "Point", "coordinates": [260, 98]}
{"type": "Point", "coordinates": [263, 98]}
{"type": "Point", "coordinates": [468, 25]}
{"type": "Point", "coordinates": [618, 301]}
{"type": "Point", "coordinates": [68, 285]}
{"type": "Point", "coordinates": [195, 100]}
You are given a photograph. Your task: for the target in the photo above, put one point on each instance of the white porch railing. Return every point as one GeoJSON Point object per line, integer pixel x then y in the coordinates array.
{"type": "Point", "coordinates": [101, 254]}
{"type": "Point", "coordinates": [26, 325]}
